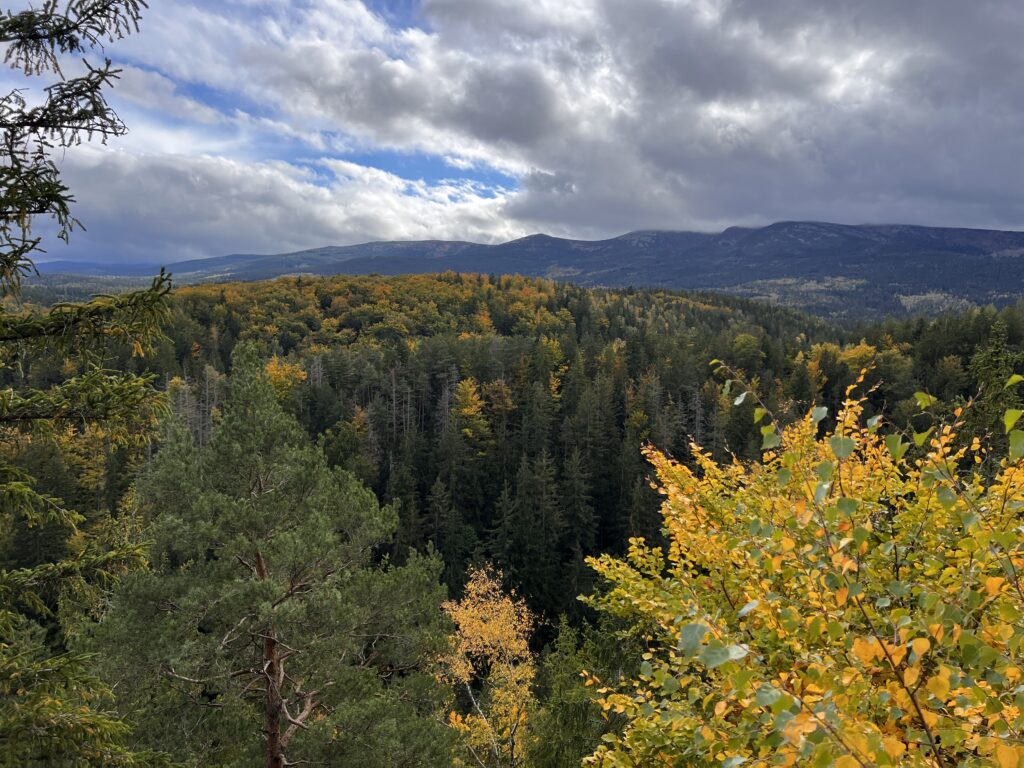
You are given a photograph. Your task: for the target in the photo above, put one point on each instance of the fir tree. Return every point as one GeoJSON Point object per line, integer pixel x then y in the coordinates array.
{"type": "Point", "coordinates": [580, 525]}
{"type": "Point", "coordinates": [453, 538]}
{"type": "Point", "coordinates": [540, 527]}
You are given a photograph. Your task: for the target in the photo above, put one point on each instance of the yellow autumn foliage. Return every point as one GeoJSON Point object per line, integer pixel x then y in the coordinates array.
{"type": "Point", "coordinates": [838, 604]}
{"type": "Point", "coordinates": [491, 669]}
{"type": "Point", "coordinates": [284, 376]}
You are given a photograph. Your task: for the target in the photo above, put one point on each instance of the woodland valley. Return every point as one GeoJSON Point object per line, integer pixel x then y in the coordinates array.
{"type": "Point", "coordinates": [473, 518]}
{"type": "Point", "coordinates": [433, 438]}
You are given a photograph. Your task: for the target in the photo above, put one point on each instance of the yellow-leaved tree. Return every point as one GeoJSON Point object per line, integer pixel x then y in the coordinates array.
{"type": "Point", "coordinates": [284, 376]}
{"type": "Point", "coordinates": [491, 668]}
{"type": "Point", "coordinates": [838, 604]}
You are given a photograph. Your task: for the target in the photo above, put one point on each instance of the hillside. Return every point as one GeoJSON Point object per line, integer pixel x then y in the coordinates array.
{"type": "Point", "coordinates": [474, 419]}
{"type": "Point", "coordinates": [838, 271]}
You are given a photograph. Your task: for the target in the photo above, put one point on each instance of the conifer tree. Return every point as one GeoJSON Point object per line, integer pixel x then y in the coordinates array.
{"type": "Point", "coordinates": [51, 710]}
{"type": "Point", "coordinates": [580, 523]}
{"type": "Point", "coordinates": [265, 631]}
{"type": "Point", "coordinates": [539, 530]}
{"type": "Point", "coordinates": [579, 508]}
{"type": "Point", "coordinates": [451, 536]}
{"type": "Point", "coordinates": [505, 541]}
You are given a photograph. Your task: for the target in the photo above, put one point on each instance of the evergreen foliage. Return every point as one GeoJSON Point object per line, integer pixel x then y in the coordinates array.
{"type": "Point", "coordinates": [52, 710]}
{"type": "Point", "coordinates": [266, 630]}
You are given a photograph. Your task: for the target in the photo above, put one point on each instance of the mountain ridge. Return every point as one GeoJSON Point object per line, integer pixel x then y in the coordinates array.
{"type": "Point", "coordinates": [845, 271]}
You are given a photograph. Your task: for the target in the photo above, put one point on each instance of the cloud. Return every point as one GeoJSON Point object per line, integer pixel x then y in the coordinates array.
{"type": "Point", "coordinates": [611, 115]}
{"type": "Point", "coordinates": [166, 208]}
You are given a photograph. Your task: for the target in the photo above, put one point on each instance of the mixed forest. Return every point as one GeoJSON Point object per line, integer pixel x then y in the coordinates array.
{"type": "Point", "coordinates": [487, 520]}
{"type": "Point", "coordinates": [427, 440]}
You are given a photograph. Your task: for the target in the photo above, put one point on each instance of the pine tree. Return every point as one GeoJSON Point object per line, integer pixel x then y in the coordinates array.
{"type": "Point", "coordinates": [51, 710]}
{"type": "Point", "coordinates": [265, 632]}
{"type": "Point", "coordinates": [463, 449]}
{"type": "Point", "coordinates": [991, 367]}
{"type": "Point", "coordinates": [569, 725]}
{"type": "Point", "coordinates": [402, 491]}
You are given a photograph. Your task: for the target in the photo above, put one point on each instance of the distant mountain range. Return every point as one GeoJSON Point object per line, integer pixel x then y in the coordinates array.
{"type": "Point", "coordinates": [840, 271]}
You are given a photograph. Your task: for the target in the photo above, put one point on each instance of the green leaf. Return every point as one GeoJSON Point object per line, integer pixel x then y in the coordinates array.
{"type": "Point", "coordinates": [770, 440]}
{"type": "Point", "coordinates": [924, 400]}
{"type": "Point", "coordinates": [669, 685]}
{"type": "Point", "coordinates": [819, 413]}
{"type": "Point", "coordinates": [690, 637]}
{"type": "Point", "coordinates": [759, 413]}
{"type": "Point", "coordinates": [1011, 417]}
{"type": "Point", "coordinates": [874, 422]}
{"type": "Point", "coordinates": [749, 607]}
{"type": "Point", "coordinates": [741, 679]}
{"type": "Point", "coordinates": [739, 400]}
{"type": "Point", "coordinates": [645, 669]}
{"type": "Point", "coordinates": [921, 437]}
{"type": "Point", "coordinates": [1013, 380]}
{"type": "Point", "coordinates": [847, 506]}
{"type": "Point", "coordinates": [1016, 445]}
{"type": "Point", "coordinates": [715, 654]}
{"type": "Point", "coordinates": [767, 695]}
{"type": "Point", "coordinates": [946, 496]}
{"type": "Point", "coordinates": [897, 448]}
{"type": "Point", "coordinates": [821, 492]}
{"type": "Point", "coordinates": [737, 652]}
{"type": "Point", "coordinates": [842, 447]}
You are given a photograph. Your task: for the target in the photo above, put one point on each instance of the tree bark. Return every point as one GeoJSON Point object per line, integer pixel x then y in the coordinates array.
{"type": "Point", "coordinates": [274, 673]}
{"type": "Point", "coordinates": [271, 665]}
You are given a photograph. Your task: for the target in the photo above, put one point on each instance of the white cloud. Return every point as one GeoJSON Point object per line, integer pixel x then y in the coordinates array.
{"type": "Point", "coordinates": [167, 208]}
{"type": "Point", "coordinates": [612, 114]}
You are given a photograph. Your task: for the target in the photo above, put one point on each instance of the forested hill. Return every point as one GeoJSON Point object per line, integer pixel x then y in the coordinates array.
{"type": "Point", "coordinates": [500, 419]}
{"type": "Point", "coordinates": [505, 415]}
{"type": "Point", "coordinates": [839, 271]}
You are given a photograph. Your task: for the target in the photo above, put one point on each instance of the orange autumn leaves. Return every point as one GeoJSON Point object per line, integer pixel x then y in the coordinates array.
{"type": "Point", "coordinates": [839, 604]}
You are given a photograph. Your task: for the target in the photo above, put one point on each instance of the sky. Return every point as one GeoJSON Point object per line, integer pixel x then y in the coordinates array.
{"type": "Point", "coordinates": [264, 126]}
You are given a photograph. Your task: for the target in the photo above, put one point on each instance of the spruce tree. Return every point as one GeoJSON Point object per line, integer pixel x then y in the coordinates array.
{"type": "Point", "coordinates": [266, 631]}
{"type": "Point", "coordinates": [580, 526]}
{"type": "Point", "coordinates": [454, 539]}
{"type": "Point", "coordinates": [51, 710]}
{"type": "Point", "coordinates": [539, 530]}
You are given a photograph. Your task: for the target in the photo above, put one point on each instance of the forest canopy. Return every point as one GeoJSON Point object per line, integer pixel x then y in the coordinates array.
{"type": "Point", "coordinates": [495, 429]}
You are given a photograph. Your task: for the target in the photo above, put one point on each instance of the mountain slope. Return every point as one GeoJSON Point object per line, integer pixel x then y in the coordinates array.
{"type": "Point", "coordinates": [841, 271]}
